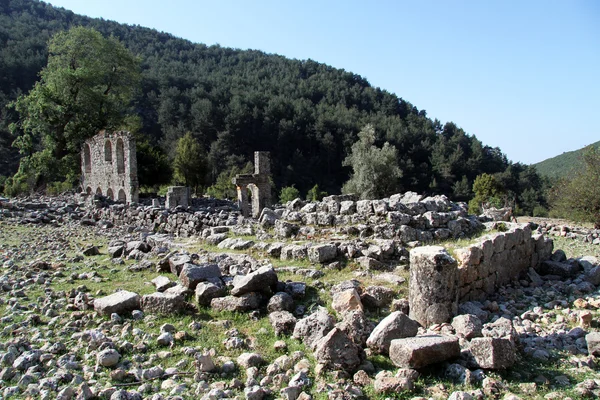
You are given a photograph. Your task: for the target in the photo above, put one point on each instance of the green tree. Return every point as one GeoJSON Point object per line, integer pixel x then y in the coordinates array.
{"type": "Point", "coordinates": [288, 193]}
{"type": "Point", "coordinates": [376, 173]}
{"type": "Point", "coordinates": [578, 197]}
{"type": "Point", "coordinates": [315, 194]}
{"type": "Point", "coordinates": [190, 162]}
{"type": "Point", "coordinates": [223, 188]}
{"type": "Point", "coordinates": [487, 190]}
{"type": "Point", "coordinates": [86, 86]}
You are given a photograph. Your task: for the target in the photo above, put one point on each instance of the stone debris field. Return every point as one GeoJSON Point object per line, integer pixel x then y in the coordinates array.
{"type": "Point", "coordinates": [406, 297]}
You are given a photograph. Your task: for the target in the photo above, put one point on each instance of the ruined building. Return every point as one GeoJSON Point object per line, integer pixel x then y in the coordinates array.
{"type": "Point", "coordinates": [258, 183]}
{"type": "Point", "coordinates": [109, 166]}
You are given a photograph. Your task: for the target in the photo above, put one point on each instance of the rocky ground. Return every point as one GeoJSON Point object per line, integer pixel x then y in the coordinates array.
{"type": "Point", "coordinates": [98, 312]}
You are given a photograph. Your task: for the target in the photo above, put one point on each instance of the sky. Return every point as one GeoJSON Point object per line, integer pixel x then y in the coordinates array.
{"type": "Point", "coordinates": [520, 75]}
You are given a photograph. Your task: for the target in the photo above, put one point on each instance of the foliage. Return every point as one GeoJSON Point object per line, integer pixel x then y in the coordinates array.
{"type": "Point", "coordinates": [562, 165]}
{"type": "Point", "coordinates": [540, 211]}
{"type": "Point", "coordinates": [315, 194]}
{"type": "Point", "coordinates": [487, 190]}
{"type": "Point", "coordinates": [578, 197]}
{"type": "Point", "coordinates": [223, 188]}
{"type": "Point", "coordinates": [375, 170]}
{"type": "Point", "coordinates": [86, 86]}
{"type": "Point", "coordinates": [288, 193]}
{"type": "Point", "coordinates": [189, 163]}
{"type": "Point", "coordinates": [153, 165]}
{"type": "Point", "coordinates": [307, 114]}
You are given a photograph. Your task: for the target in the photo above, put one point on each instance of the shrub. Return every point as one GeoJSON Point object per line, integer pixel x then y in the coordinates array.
{"type": "Point", "coordinates": [539, 211]}
{"type": "Point", "coordinates": [315, 194]}
{"type": "Point", "coordinates": [288, 193]}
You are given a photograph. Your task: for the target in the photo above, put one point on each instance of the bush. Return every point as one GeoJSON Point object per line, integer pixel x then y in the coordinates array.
{"type": "Point", "coordinates": [288, 193]}
{"type": "Point", "coordinates": [55, 188]}
{"type": "Point", "coordinates": [315, 194]}
{"type": "Point", "coordinates": [539, 211]}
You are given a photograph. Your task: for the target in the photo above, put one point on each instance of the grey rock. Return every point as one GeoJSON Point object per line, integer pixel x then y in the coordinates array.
{"type": "Point", "coordinates": [108, 358]}
{"type": "Point", "coordinates": [467, 326]}
{"type": "Point", "coordinates": [592, 340]}
{"type": "Point", "coordinates": [162, 283]}
{"type": "Point", "coordinates": [245, 302]}
{"type": "Point", "coordinates": [206, 291]}
{"type": "Point", "coordinates": [562, 269]}
{"type": "Point", "coordinates": [260, 280]}
{"type": "Point", "coordinates": [177, 262]}
{"type": "Point", "coordinates": [493, 353]}
{"type": "Point", "coordinates": [119, 302]}
{"type": "Point", "coordinates": [248, 360]}
{"type": "Point", "coordinates": [337, 351]}
{"type": "Point", "coordinates": [322, 253]}
{"type": "Point", "coordinates": [162, 303]}
{"type": "Point", "coordinates": [283, 322]}
{"type": "Point", "coordinates": [420, 351]}
{"type": "Point", "coordinates": [397, 325]}
{"type": "Point", "coordinates": [313, 327]}
{"type": "Point", "coordinates": [191, 274]}
{"type": "Point", "coordinates": [356, 326]}
{"type": "Point", "coordinates": [280, 301]}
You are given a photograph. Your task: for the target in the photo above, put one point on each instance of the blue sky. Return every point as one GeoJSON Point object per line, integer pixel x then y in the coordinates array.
{"type": "Point", "coordinates": [520, 75]}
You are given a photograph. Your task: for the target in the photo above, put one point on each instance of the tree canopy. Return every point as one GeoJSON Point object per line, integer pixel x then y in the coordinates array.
{"type": "Point", "coordinates": [86, 86]}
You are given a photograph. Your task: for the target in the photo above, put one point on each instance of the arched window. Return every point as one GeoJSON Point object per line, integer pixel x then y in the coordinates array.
{"type": "Point", "coordinates": [99, 191]}
{"type": "Point", "coordinates": [120, 157]}
{"type": "Point", "coordinates": [87, 158]}
{"type": "Point", "coordinates": [107, 151]}
{"type": "Point", "coordinates": [109, 194]}
{"type": "Point", "coordinates": [122, 196]}
{"type": "Point", "coordinates": [88, 190]}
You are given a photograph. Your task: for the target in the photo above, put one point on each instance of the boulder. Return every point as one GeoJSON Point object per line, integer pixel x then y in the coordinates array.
{"type": "Point", "coordinates": [260, 280]}
{"type": "Point", "coordinates": [280, 301]}
{"type": "Point", "coordinates": [246, 302]}
{"type": "Point", "coordinates": [467, 326]}
{"type": "Point", "coordinates": [215, 239]}
{"type": "Point", "coordinates": [493, 353]}
{"type": "Point", "coordinates": [337, 351]}
{"type": "Point", "coordinates": [420, 351]}
{"type": "Point", "coordinates": [119, 302]}
{"type": "Point", "coordinates": [397, 325]}
{"type": "Point", "coordinates": [375, 297]}
{"type": "Point", "coordinates": [345, 301]}
{"type": "Point", "coordinates": [385, 382]}
{"type": "Point", "coordinates": [206, 291]}
{"type": "Point", "coordinates": [356, 326]}
{"type": "Point", "coordinates": [191, 274]}
{"type": "Point", "coordinates": [313, 327]}
{"type": "Point", "coordinates": [162, 283]}
{"type": "Point", "coordinates": [285, 229]}
{"type": "Point", "coordinates": [177, 262]}
{"type": "Point", "coordinates": [283, 322]}
{"type": "Point", "coordinates": [322, 253]}
{"type": "Point", "coordinates": [562, 269]}
{"type": "Point", "coordinates": [108, 358]}
{"type": "Point", "coordinates": [593, 343]}
{"type": "Point", "coordinates": [162, 303]}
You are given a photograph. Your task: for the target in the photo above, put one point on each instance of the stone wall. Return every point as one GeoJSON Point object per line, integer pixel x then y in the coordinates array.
{"type": "Point", "coordinates": [109, 166]}
{"type": "Point", "coordinates": [481, 268]}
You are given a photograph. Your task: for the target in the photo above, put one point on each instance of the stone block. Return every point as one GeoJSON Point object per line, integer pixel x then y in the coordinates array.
{"type": "Point", "coordinates": [322, 253]}
{"type": "Point", "coordinates": [421, 351]}
{"type": "Point", "coordinates": [119, 302]}
{"type": "Point", "coordinates": [191, 274]}
{"type": "Point", "coordinates": [162, 303]}
{"type": "Point", "coordinates": [493, 353]}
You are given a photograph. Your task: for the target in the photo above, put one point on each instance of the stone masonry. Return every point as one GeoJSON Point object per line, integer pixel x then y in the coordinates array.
{"type": "Point", "coordinates": [109, 166]}
{"type": "Point", "coordinates": [259, 184]}
{"type": "Point", "coordinates": [177, 196]}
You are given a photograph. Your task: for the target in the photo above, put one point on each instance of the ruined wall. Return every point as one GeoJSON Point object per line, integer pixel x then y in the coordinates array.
{"type": "Point", "coordinates": [258, 183]}
{"type": "Point", "coordinates": [497, 259]}
{"type": "Point", "coordinates": [109, 166]}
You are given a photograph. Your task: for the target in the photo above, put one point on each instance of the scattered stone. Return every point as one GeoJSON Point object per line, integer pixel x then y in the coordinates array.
{"type": "Point", "coordinates": [397, 325]}
{"type": "Point", "coordinates": [420, 351]}
{"type": "Point", "coordinates": [162, 303]}
{"type": "Point", "coordinates": [120, 302]}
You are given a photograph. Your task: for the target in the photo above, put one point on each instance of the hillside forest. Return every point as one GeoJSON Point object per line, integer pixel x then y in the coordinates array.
{"type": "Point", "coordinates": [228, 103]}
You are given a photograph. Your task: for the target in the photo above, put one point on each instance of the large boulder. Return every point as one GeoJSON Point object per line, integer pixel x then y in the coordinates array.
{"type": "Point", "coordinates": [260, 280]}
{"type": "Point", "coordinates": [206, 291]}
{"type": "Point", "coordinates": [593, 343]}
{"type": "Point", "coordinates": [177, 262]}
{"type": "Point", "coordinates": [191, 274]}
{"type": "Point", "coordinates": [356, 326]}
{"type": "Point", "coordinates": [283, 322]}
{"type": "Point", "coordinates": [420, 351]}
{"type": "Point", "coordinates": [162, 303]}
{"type": "Point", "coordinates": [562, 269]}
{"type": "Point", "coordinates": [313, 327]}
{"type": "Point", "coordinates": [337, 351]}
{"type": "Point", "coordinates": [322, 253]}
{"type": "Point", "coordinates": [119, 302]}
{"type": "Point", "coordinates": [245, 302]}
{"type": "Point", "coordinates": [345, 301]}
{"type": "Point", "coordinates": [397, 325]}
{"type": "Point", "coordinates": [493, 353]}
{"type": "Point", "coordinates": [467, 326]}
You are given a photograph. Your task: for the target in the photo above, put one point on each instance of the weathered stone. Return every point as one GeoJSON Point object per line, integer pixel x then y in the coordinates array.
{"type": "Point", "coordinates": [397, 325]}
{"type": "Point", "coordinates": [296, 289]}
{"type": "Point", "coordinates": [206, 291]}
{"type": "Point", "coordinates": [108, 358]}
{"type": "Point", "coordinates": [420, 351]}
{"type": "Point", "coordinates": [260, 280]}
{"type": "Point", "coordinates": [593, 343]}
{"type": "Point", "coordinates": [283, 322]}
{"type": "Point", "coordinates": [500, 328]}
{"type": "Point", "coordinates": [377, 297]}
{"type": "Point", "coordinates": [235, 244]}
{"type": "Point", "coordinates": [162, 283]}
{"type": "Point", "coordinates": [433, 285]}
{"type": "Point", "coordinates": [467, 326]}
{"type": "Point", "coordinates": [162, 303]}
{"type": "Point", "coordinates": [345, 301]}
{"type": "Point", "coordinates": [493, 353]}
{"type": "Point", "coordinates": [91, 251]}
{"type": "Point", "coordinates": [313, 327]}
{"type": "Point", "coordinates": [593, 275]}
{"type": "Point", "coordinates": [337, 351]}
{"type": "Point", "coordinates": [244, 302]}
{"type": "Point", "coordinates": [215, 239]}
{"type": "Point", "coordinates": [356, 326]}
{"type": "Point", "coordinates": [248, 360]}
{"type": "Point", "coordinates": [280, 301]}
{"type": "Point", "coordinates": [285, 229]}
{"type": "Point", "coordinates": [177, 262]}
{"type": "Point", "coordinates": [119, 302]}
{"type": "Point", "coordinates": [191, 274]}
{"type": "Point", "coordinates": [385, 383]}
{"type": "Point", "coordinates": [322, 253]}
{"type": "Point", "coordinates": [562, 269]}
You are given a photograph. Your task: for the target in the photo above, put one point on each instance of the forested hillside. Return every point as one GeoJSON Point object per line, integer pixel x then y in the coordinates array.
{"type": "Point", "coordinates": [562, 165]}
{"type": "Point", "coordinates": [235, 102]}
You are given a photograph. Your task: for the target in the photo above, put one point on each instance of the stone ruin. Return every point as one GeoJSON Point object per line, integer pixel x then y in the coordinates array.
{"type": "Point", "coordinates": [109, 166]}
{"type": "Point", "coordinates": [258, 183]}
{"type": "Point", "coordinates": [177, 196]}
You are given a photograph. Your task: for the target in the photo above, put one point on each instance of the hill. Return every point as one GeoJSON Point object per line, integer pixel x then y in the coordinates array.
{"type": "Point", "coordinates": [307, 114]}
{"type": "Point", "coordinates": [561, 165]}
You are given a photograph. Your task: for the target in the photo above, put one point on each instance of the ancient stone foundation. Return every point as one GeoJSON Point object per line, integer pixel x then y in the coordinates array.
{"type": "Point", "coordinates": [177, 196]}
{"type": "Point", "coordinates": [258, 183]}
{"type": "Point", "coordinates": [109, 166]}
{"type": "Point", "coordinates": [438, 281]}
